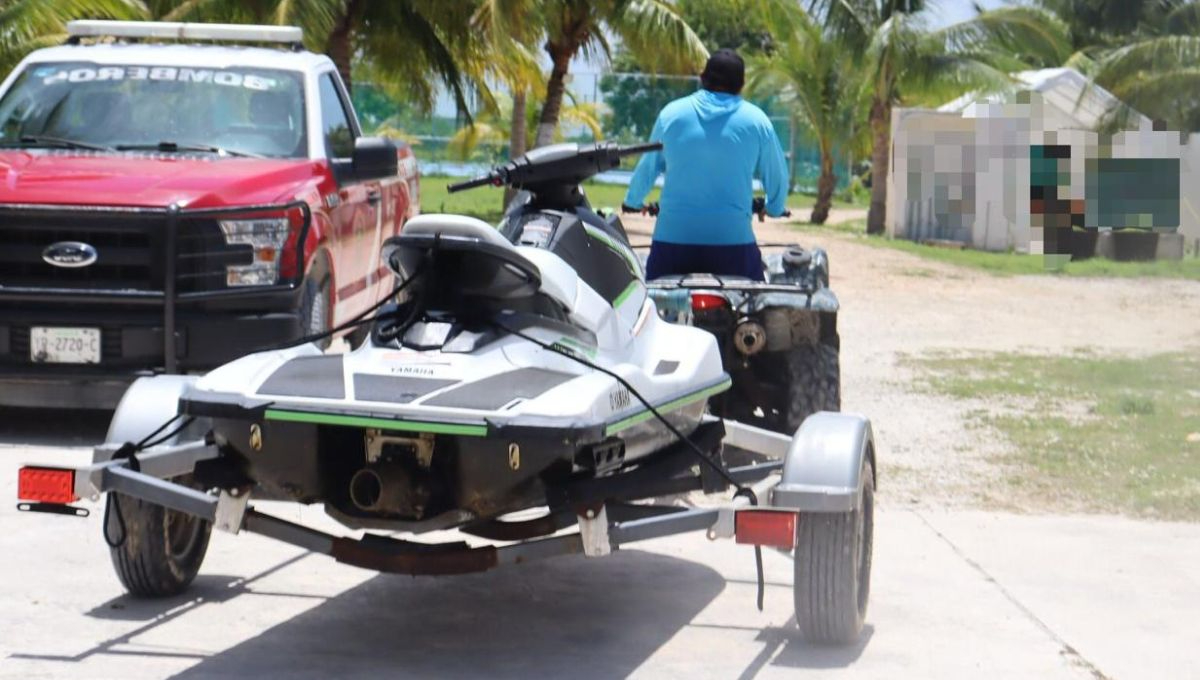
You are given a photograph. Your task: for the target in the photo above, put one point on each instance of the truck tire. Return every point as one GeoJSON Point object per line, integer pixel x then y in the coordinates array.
{"type": "Point", "coordinates": [160, 550]}
{"type": "Point", "coordinates": [814, 383]}
{"type": "Point", "coordinates": [358, 336]}
{"type": "Point", "coordinates": [315, 311]}
{"type": "Point", "coordinates": [833, 569]}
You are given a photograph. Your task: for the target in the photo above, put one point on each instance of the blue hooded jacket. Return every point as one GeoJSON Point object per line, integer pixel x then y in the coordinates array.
{"type": "Point", "coordinates": [713, 143]}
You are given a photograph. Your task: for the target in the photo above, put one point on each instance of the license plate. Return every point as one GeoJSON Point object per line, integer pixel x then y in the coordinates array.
{"type": "Point", "coordinates": [64, 345]}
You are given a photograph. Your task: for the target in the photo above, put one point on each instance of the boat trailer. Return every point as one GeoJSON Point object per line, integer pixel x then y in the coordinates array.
{"type": "Point", "coordinates": [817, 470]}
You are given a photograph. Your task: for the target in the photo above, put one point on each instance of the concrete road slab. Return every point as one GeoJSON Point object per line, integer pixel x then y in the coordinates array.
{"type": "Point", "coordinates": [948, 601]}
{"type": "Point", "coordinates": [1123, 594]}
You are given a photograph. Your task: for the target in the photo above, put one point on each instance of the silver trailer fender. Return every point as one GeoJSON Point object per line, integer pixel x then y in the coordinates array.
{"type": "Point", "coordinates": [823, 468]}
{"type": "Point", "coordinates": [147, 404]}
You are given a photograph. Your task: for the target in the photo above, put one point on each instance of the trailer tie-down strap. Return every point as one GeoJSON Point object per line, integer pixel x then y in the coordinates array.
{"type": "Point", "coordinates": [128, 452]}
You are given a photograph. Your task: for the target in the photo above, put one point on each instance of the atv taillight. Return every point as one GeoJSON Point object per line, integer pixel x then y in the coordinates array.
{"type": "Point", "coordinates": [704, 301]}
{"type": "Point", "coordinates": [775, 528]}
{"type": "Point", "coordinates": [46, 485]}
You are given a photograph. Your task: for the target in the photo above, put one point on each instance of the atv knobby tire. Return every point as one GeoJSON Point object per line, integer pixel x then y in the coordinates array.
{"type": "Point", "coordinates": [161, 550]}
{"type": "Point", "coordinates": [833, 569]}
{"type": "Point", "coordinates": [814, 383]}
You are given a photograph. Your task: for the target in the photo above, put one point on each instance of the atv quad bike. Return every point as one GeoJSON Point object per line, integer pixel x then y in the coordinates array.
{"type": "Point", "coordinates": [778, 339]}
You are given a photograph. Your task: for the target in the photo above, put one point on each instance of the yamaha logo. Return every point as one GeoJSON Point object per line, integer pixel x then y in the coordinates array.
{"type": "Point", "coordinates": [70, 254]}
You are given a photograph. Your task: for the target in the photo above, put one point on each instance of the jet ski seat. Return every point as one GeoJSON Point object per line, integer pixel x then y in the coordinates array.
{"type": "Point", "coordinates": [555, 279]}
{"type": "Point", "coordinates": [459, 226]}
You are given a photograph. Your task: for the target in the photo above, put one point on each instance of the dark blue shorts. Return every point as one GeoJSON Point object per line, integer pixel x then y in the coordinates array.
{"type": "Point", "coordinates": [743, 259]}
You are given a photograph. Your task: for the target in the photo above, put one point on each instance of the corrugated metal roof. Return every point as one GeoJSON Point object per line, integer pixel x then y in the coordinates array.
{"type": "Point", "coordinates": [1066, 89]}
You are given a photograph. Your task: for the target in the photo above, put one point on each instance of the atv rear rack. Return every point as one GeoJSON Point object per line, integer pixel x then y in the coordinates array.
{"type": "Point", "coordinates": [605, 520]}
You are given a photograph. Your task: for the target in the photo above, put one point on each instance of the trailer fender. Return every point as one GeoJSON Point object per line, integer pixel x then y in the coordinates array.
{"type": "Point", "coordinates": [822, 471]}
{"type": "Point", "coordinates": [147, 404]}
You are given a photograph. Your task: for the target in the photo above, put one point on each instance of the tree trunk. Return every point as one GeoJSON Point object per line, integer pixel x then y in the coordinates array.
{"type": "Point", "coordinates": [516, 136]}
{"type": "Point", "coordinates": [881, 132]}
{"type": "Point", "coordinates": [340, 46]}
{"type": "Point", "coordinates": [556, 87]}
{"type": "Point", "coordinates": [825, 187]}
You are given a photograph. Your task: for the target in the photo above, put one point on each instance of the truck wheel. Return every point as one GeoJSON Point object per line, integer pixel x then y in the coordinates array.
{"type": "Point", "coordinates": [358, 336]}
{"type": "Point", "coordinates": [833, 569]}
{"type": "Point", "coordinates": [162, 549]}
{"type": "Point", "coordinates": [315, 312]}
{"type": "Point", "coordinates": [814, 383]}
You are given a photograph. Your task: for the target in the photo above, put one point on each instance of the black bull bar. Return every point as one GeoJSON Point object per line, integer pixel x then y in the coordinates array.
{"type": "Point", "coordinates": [168, 293]}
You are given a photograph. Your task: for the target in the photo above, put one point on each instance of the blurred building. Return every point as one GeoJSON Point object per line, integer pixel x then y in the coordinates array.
{"type": "Point", "coordinates": [1029, 171]}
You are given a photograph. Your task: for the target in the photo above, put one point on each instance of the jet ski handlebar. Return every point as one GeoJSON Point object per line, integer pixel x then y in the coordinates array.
{"type": "Point", "coordinates": [557, 164]}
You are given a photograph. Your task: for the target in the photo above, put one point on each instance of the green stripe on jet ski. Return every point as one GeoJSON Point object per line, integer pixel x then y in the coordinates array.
{"type": "Point", "coordinates": [645, 415]}
{"type": "Point", "coordinates": [629, 290]}
{"type": "Point", "coordinates": [380, 423]}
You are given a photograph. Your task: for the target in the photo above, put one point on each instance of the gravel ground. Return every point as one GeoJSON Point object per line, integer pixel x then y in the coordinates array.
{"type": "Point", "coordinates": [895, 304]}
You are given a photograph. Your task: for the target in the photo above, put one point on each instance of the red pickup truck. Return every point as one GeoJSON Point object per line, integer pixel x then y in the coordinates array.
{"type": "Point", "coordinates": [169, 206]}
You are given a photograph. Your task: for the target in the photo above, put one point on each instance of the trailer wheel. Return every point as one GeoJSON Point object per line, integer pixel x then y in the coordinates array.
{"type": "Point", "coordinates": [161, 550]}
{"type": "Point", "coordinates": [833, 569]}
{"type": "Point", "coordinates": [814, 383]}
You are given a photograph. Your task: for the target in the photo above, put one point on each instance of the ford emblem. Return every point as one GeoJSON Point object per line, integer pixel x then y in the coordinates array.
{"type": "Point", "coordinates": [70, 254]}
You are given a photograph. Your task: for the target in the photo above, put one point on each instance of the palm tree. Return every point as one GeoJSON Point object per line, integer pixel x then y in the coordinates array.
{"type": "Point", "coordinates": [493, 127]}
{"type": "Point", "coordinates": [401, 42]}
{"type": "Point", "coordinates": [1142, 51]}
{"type": "Point", "coordinates": [26, 25]}
{"type": "Point", "coordinates": [820, 79]}
{"type": "Point", "coordinates": [511, 36]}
{"type": "Point", "coordinates": [651, 30]}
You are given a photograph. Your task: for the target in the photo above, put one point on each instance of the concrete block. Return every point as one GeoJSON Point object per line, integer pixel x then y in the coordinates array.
{"type": "Point", "coordinates": [1170, 247]}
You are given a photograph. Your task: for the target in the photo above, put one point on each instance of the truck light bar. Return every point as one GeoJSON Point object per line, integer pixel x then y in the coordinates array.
{"type": "Point", "coordinates": [46, 485]}
{"type": "Point", "coordinates": [176, 30]}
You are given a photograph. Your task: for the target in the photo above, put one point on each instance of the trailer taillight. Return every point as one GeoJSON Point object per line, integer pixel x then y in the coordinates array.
{"type": "Point", "coordinates": [46, 485]}
{"type": "Point", "coordinates": [766, 527]}
{"type": "Point", "coordinates": [703, 301]}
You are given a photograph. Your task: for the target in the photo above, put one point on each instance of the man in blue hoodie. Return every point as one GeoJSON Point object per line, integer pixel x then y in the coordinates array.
{"type": "Point", "coordinates": [713, 143]}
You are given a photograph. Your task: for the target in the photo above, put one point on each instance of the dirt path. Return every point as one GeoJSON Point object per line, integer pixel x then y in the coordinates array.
{"type": "Point", "coordinates": [895, 304]}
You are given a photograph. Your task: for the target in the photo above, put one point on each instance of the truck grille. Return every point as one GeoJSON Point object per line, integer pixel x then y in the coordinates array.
{"type": "Point", "coordinates": [131, 249]}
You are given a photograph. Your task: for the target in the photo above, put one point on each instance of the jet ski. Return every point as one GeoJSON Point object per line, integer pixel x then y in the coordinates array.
{"type": "Point", "coordinates": [514, 360]}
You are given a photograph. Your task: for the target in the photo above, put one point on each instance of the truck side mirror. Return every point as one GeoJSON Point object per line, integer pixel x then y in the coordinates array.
{"type": "Point", "coordinates": [374, 158]}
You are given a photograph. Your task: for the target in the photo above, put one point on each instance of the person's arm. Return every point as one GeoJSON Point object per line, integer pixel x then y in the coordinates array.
{"type": "Point", "coordinates": [773, 171]}
{"type": "Point", "coordinates": [649, 167]}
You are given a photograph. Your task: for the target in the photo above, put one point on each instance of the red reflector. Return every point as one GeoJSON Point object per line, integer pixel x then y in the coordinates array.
{"type": "Point", "coordinates": [765, 527]}
{"type": "Point", "coordinates": [707, 301]}
{"type": "Point", "coordinates": [46, 485]}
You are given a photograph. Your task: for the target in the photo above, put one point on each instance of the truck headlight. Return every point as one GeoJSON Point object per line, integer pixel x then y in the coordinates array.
{"type": "Point", "coordinates": [267, 237]}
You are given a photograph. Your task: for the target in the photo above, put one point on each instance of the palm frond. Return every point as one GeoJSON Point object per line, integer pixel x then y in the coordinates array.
{"type": "Point", "coordinates": [1036, 37]}
{"type": "Point", "coordinates": [1155, 55]}
{"type": "Point", "coordinates": [26, 25]}
{"type": "Point", "coordinates": [659, 37]}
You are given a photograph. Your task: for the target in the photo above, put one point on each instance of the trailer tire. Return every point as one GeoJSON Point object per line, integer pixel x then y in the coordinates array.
{"type": "Point", "coordinates": [814, 383]}
{"type": "Point", "coordinates": [161, 550]}
{"type": "Point", "coordinates": [833, 569]}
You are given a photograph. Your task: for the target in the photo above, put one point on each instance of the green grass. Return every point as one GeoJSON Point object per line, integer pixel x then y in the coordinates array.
{"type": "Point", "coordinates": [1017, 264]}
{"type": "Point", "coordinates": [1091, 433]}
{"type": "Point", "coordinates": [485, 202]}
